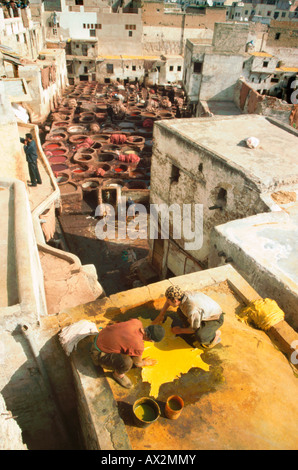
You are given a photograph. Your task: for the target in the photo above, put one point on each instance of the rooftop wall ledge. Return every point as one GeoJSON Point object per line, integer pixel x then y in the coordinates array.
{"type": "Point", "coordinates": [24, 273]}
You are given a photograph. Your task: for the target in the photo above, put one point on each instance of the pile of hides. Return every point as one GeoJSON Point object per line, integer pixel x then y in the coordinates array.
{"type": "Point", "coordinates": [86, 144]}
{"type": "Point", "coordinates": [100, 172]}
{"type": "Point", "coordinates": [71, 335]}
{"type": "Point", "coordinates": [129, 158]}
{"type": "Point", "coordinates": [118, 139]}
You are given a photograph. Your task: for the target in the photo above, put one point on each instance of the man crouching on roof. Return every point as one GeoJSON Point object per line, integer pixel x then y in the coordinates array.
{"type": "Point", "coordinates": [199, 315]}
{"type": "Point", "coordinates": [121, 345]}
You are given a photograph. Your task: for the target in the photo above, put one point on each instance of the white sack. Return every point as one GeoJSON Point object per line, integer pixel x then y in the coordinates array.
{"type": "Point", "coordinates": [71, 335]}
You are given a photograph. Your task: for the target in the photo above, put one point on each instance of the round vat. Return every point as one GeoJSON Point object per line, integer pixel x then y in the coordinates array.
{"type": "Point", "coordinates": [137, 174]}
{"type": "Point", "coordinates": [136, 140]}
{"type": "Point", "coordinates": [136, 185]}
{"type": "Point", "coordinates": [82, 157]}
{"type": "Point", "coordinates": [106, 157]}
{"type": "Point", "coordinates": [57, 135]}
{"type": "Point", "coordinates": [130, 150]}
{"type": "Point", "coordinates": [90, 185]}
{"type": "Point", "coordinates": [52, 145]}
{"type": "Point", "coordinates": [107, 148]}
{"type": "Point", "coordinates": [62, 124]}
{"type": "Point", "coordinates": [68, 187]}
{"type": "Point", "coordinates": [76, 129]}
{"type": "Point", "coordinates": [104, 166]}
{"type": "Point", "coordinates": [58, 167]}
{"type": "Point", "coordinates": [101, 138]}
{"type": "Point", "coordinates": [57, 152]}
{"type": "Point", "coordinates": [54, 160]}
{"type": "Point", "coordinates": [62, 178]}
{"type": "Point", "coordinates": [77, 139]}
{"type": "Point", "coordinates": [120, 168]}
{"type": "Point", "coordinates": [77, 170]}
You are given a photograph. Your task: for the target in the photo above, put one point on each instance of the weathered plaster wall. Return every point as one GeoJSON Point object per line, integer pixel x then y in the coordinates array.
{"type": "Point", "coordinates": [251, 102]}
{"type": "Point", "coordinates": [202, 174]}
{"type": "Point", "coordinates": [220, 73]}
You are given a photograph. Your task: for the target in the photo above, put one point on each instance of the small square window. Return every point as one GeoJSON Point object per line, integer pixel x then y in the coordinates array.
{"type": "Point", "coordinates": [92, 33]}
{"type": "Point", "coordinates": [130, 34]}
{"type": "Point", "coordinates": [277, 36]}
{"type": "Point", "coordinates": [110, 68]}
{"type": "Point", "coordinates": [265, 64]}
{"type": "Point", "coordinates": [133, 68]}
{"type": "Point", "coordinates": [171, 68]}
{"type": "Point", "coordinates": [197, 67]}
{"type": "Point", "coordinates": [178, 68]}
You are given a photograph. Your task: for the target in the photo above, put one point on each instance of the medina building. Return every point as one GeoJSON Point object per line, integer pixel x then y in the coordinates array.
{"type": "Point", "coordinates": [206, 161]}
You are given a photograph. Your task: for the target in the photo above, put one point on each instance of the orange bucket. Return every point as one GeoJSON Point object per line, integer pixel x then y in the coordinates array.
{"type": "Point", "coordinates": [174, 406]}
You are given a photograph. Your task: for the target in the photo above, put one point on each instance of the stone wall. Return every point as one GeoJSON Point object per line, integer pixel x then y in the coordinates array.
{"type": "Point", "coordinates": [251, 102]}
{"type": "Point", "coordinates": [283, 34]}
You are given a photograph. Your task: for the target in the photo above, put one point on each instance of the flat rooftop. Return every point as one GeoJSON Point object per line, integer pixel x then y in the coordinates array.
{"type": "Point", "coordinates": [272, 163]}
{"type": "Point", "coordinates": [240, 402]}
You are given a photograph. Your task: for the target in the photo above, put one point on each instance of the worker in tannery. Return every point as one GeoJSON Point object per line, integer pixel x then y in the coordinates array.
{"type": "Point", "coordinates": [121, 345]}
{"type": "Point", "coordinates": [197, 315]}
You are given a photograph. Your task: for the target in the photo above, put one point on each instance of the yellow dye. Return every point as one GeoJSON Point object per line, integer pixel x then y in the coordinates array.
{"type": "Point", "coordinates": [174, 358]}
{"type": "Point", "coordinates": [263, 313]}
{"type": "Point", "coordinates": [145, 413]}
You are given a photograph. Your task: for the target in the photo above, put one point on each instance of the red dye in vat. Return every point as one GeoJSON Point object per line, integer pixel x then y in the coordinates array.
{"type": "Point", "coordinates": [78, 170]}
{"type": "Point", "coordinates": [57, 159]}
{"type": "Point", "coordinates": [118, 170]}
{"type": "Point", "coordinates": [52, 146]}
{"type": "Point", "coordinates": [57, 152]}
